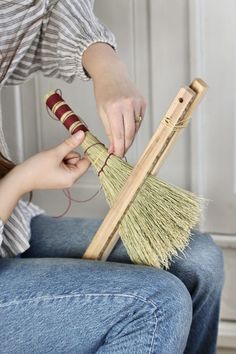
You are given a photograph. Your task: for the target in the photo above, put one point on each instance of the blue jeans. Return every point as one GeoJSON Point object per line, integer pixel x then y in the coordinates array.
{"type": "Point", "coordinates": [53, 302]}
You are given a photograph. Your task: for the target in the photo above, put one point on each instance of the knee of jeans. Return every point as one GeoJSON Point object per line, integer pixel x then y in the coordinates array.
{"type": "Point", "coordinates": [209, 267]}
{"type": "Point", "coordinates": [175, 301]}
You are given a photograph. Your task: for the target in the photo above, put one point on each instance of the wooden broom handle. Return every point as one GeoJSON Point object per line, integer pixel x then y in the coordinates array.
{"type": "Point", "coordinates": [200, 88]}
{"type": "Point", "coordinates": [107, 236]}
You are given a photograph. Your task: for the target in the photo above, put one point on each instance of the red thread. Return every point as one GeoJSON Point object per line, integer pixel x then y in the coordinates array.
{"type": "Point", "coordinates": [105, 163]}
{"type": "Point", "coordinates": [67, 193]}
{"type": "Point", "coordinates": [55, 98]}
{"type": "Point", "coordinates": [49, 113]}
{"type": "Point", "coordinates": [81, 201]}
{"type": "Point", "coordinates": [66, 211]}
{"type": "Point", "coordinates": [61, 110]}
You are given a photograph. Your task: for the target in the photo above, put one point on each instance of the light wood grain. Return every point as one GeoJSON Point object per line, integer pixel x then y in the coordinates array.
{"type": "Point", "coordinates": [200, 88]}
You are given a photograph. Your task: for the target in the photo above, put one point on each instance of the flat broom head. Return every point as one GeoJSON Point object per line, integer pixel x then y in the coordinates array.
{"type": "Point", "coordinates": [157, 225]}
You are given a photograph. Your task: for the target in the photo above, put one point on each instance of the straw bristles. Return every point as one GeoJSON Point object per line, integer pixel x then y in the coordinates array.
{"type": "Point", "coordinates": [158, 222]}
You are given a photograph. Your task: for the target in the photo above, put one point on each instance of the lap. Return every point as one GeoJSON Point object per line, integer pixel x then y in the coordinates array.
{"type": "Point", "coordinates": [56, 248]}
{"type": "Point", "coordinates": [61, 291]}
{"type": "Point", "coordinates": [69, 237]}
{"type": "Point", "coordinates": [201, 262]}
{"type": "Point", "coordinates": [59, 304]}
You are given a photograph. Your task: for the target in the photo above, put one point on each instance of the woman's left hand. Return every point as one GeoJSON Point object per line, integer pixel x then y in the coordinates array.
{"type": "Point", "coordinates": [120, 106]}
{"type": "Point", "coordinates": [119, 102]}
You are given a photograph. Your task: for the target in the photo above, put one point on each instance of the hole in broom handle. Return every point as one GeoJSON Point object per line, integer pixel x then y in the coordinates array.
{"type": "Point", "coordinates": [200, 88]}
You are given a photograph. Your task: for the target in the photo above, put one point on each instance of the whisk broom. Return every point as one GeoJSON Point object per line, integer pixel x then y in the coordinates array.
{"type": "Point", "coordinates": [154, 218]}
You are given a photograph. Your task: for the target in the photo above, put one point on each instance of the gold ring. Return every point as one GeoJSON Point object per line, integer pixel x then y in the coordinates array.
{"type": "Point", "coordinates": [138, 119]}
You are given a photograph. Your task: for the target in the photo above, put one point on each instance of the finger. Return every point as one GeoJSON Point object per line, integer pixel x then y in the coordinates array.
{"type": "Point", "coordinates": [107, 126]}
{"type": "Point", "coordinates": [129, 125]}
{"type": "Point", "coordinates": [70, 144]}
{"type": "Point", "coordinates": [143, 108]}
{"type": "Point", "coordinates": [72, 158]}
{"type": "Point", "coordinates": [139, 115]}
{"type": "Point", "coordinates": [71, 162]}
{"type": "Point", "coordinates": [72, 154]}
{"type": "Point", "coordinates": [117, 128]}
{"type": "Point", "coordinates": [80, 168]}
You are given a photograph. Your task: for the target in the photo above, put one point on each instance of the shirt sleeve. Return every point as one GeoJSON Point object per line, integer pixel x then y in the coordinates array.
{"type": "Point", "coordinates": [67, 29]}
{"type": "Point", "coordinates": [16, 232]}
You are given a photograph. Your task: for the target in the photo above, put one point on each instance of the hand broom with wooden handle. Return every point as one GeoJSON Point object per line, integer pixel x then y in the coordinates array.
{"type": "Point", "coordinates": [154, 219]}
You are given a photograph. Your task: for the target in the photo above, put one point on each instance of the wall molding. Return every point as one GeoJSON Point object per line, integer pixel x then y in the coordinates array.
{"type": "Point", "coordinates": [19, 123]}
{"type": "Point", "coordinates": [196, 66]}
{"type": "Point", "coordinates": [225, 241]}
{"type": "Point", "coordinates": [13, 122]}
{"type": "Point", "coordinates": [227, 335]}
{"type": "Point", "coordinates": [142, 67]}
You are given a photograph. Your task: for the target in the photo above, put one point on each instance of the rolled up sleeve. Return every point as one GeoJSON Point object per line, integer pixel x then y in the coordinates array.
{"type": "Point", "coordinates": [16, 232]}
{"type": "Point", "coordinates": [70, 28]}
{"type": "Point", "coordinates": [57, 32]}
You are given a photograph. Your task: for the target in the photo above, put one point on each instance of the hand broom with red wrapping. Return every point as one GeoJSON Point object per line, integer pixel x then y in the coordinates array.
{"type": "Point", "coordinates": [153, 218]}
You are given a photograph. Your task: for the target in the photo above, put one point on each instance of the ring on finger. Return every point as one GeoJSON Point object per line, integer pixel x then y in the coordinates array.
{"type": "Point", "coordinates": [138, 119]}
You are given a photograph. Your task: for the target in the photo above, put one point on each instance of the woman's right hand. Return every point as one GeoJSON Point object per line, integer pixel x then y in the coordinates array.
{"type": "Point", "coordinates": [56, 168]}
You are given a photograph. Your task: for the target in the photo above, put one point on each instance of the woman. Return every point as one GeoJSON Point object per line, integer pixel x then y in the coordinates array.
{"type": "Point", "coordinates": [50, 300]}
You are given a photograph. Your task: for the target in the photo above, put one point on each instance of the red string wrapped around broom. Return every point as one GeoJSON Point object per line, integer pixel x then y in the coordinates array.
{"type": "Point", "coordinates": [70, 120]}
{"type": "Point", "coordinates": [63, 112]}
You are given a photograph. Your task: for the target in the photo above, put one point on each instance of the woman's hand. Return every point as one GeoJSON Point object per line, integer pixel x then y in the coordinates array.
{"type": "Point", "coordinates": [119, 102]}
{"type": "Point", "coordinates": [56, 168]}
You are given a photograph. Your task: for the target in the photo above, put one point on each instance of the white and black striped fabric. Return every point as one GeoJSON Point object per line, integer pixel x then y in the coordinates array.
{"type": "Point", "coordinates": [48, 36]}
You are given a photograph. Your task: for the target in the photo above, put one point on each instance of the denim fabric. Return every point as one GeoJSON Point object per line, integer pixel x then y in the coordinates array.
{"type": "Point", "coordinates": [53, 302]}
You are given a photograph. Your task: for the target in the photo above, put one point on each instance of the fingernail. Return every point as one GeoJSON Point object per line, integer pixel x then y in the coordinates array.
{"type": "Point", "coordinates": [78, 135]}
{"type": "Point", "coordinates": [111, 149]}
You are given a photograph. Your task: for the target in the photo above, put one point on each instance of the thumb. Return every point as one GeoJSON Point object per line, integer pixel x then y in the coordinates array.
{"type": "Point", "coordinates": [70, 144]}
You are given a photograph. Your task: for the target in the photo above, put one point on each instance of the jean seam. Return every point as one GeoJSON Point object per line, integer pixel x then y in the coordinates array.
{"type": "Point", "coordinates": [58, 297]}
{"type": "Point", "coordinates": [16, 302]}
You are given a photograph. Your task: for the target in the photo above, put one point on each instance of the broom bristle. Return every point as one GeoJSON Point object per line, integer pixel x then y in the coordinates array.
{"type": "Point", "coordinates": [158, 223]}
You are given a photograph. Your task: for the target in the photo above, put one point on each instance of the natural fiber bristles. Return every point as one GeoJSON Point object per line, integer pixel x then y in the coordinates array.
{"type": "Point", "coordinates": [158, 222]}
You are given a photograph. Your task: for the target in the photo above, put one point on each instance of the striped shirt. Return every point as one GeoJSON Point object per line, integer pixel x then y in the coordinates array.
{"type": "Point", "coordinates": [48, 36]}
